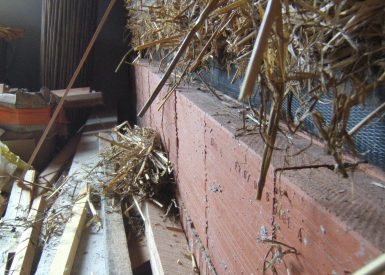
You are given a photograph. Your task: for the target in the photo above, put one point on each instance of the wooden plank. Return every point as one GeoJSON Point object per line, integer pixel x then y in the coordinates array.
{"type": "Point", "coordinates": [117, 253]}
{"type": "Point", "coordinates": [65, 254]}
{"type": "Point", "coordinates": [72, 92]}
{"type": "Point", "coordinates": [169, 252]}
{"type": "Point", "coordinates": [79, 97]}
{"type": "Point", "coordinates": [17, 210]}
{"type": "Point", "coordinates": [20, 199]}
{"type": "Point", "coordinates": [90, 255]}
{"type": "Point", "coordinates": [117, 256]}
{"type": "Point", "coordinates": [51, 173]}
{"type": "Point", "coordinates": [27, 247]}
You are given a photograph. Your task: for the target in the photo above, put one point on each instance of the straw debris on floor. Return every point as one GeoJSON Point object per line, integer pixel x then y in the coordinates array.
{"type": "Point", "coordinates": [142, 168]}
{"type": "Point", "coordinates": [131, 168]}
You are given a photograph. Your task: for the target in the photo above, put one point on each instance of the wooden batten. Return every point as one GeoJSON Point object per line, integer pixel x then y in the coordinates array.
{"type": "Point", "coordinates": [26, 249]}
{"type": "Point", "coordinates": [117, 254]}
{"type": "Point", "coordinates": [65, 254]}
{"type": "Point", "coordinates": [17, 210]}
{"type": "Point", "coordinates": [79, 97]}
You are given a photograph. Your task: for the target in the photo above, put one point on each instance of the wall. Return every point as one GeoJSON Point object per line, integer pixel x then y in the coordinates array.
{"type": "Point", "coordinates": [23, 55]}
{"type": "Point", "coordinates": [110, 47]}
{"type": "Point", "coordinates": [335, 225]}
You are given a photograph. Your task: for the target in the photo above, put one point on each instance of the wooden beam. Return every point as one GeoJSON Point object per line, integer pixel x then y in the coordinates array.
{"type": "Point", "coordinates": [74, 92]}
{"type": "Point", "coordinates": [79, 97]}
{"type": "Point", "coordinates": [117, 254]}
{"type": "Point", "coordinates": [169, 252]}
{"type": "Point", "coordinates": [90, 254]}
{"type": "Point", "coordinates": [26, 249]}
{"type": "Point", "coordinates": [17, 210]}
{"type": "Point", "coordinates": [117, 258]}
{"type": "Point", "coordinates": [66, 251]}
{"type": "Point", "coordinates": [20, 199]}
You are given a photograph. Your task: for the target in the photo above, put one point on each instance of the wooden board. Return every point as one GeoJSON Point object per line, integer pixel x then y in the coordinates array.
{"type": "Point", "coordinates": [91, 253]}
{"type": "Point", "coordinates": [117, 258]}
{"type": "Point", "coordinates": [73, 93]}
{"type": "Point", "coordinates": [169, 252]}
{"type": "Point", "coordinates": [91, 256]}
{"type": "Point", "coordinates": [20, 199]}
{"type": "Point", "coordinates": [79, 97]}
{"type": "Point", "coordinates": [117, 254]}
{"type": "Point", "coordinates": [17, 210]}
{"type": "Point", "coordinates": [65, 254]}
{"type": "Point", "coordinates": [27, 247]}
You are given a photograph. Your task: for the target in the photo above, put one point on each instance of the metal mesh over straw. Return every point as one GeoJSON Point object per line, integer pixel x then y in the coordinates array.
{"type": "Point", "coordinates": [328, 52]}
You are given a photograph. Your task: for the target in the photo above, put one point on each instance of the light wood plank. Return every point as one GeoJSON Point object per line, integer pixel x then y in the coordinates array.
{"type": "Point", "coordinates": [90, 255]}
{"type": "Point", "coordinates": [27, 247]}
{"type": "Point", "coordinates": [72, 92]}
{"type": "Point", "coordinates": [65, 254]}
{"type": "Point", "coordinates": [20, 199]}
{"type": "Point", "coordinates": [17, 210]}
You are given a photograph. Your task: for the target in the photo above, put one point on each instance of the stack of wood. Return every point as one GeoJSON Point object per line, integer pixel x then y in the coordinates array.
{"type": "Point", "coordinates": [24, 214]}
{"type": "Point", "coordinates": [63, 221]}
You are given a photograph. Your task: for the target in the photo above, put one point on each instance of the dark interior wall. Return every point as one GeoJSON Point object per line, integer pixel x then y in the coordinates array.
{"type": "Point", "coordinates": [109, 50]}
{"type": "Point", "coordinates": [23, 55]}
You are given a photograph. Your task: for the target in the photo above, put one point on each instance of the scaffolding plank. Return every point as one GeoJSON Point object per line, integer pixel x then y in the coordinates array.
{"type": "Point", "coordinates": [27, 247]}
{"type": "Point", "coordinates": [65, 254]}
{"type": "Point", "coordinates": [169, 252]}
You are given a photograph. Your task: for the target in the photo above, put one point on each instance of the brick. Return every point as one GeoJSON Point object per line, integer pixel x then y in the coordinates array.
{"type": "Point", "coordinates": [191, 164]}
